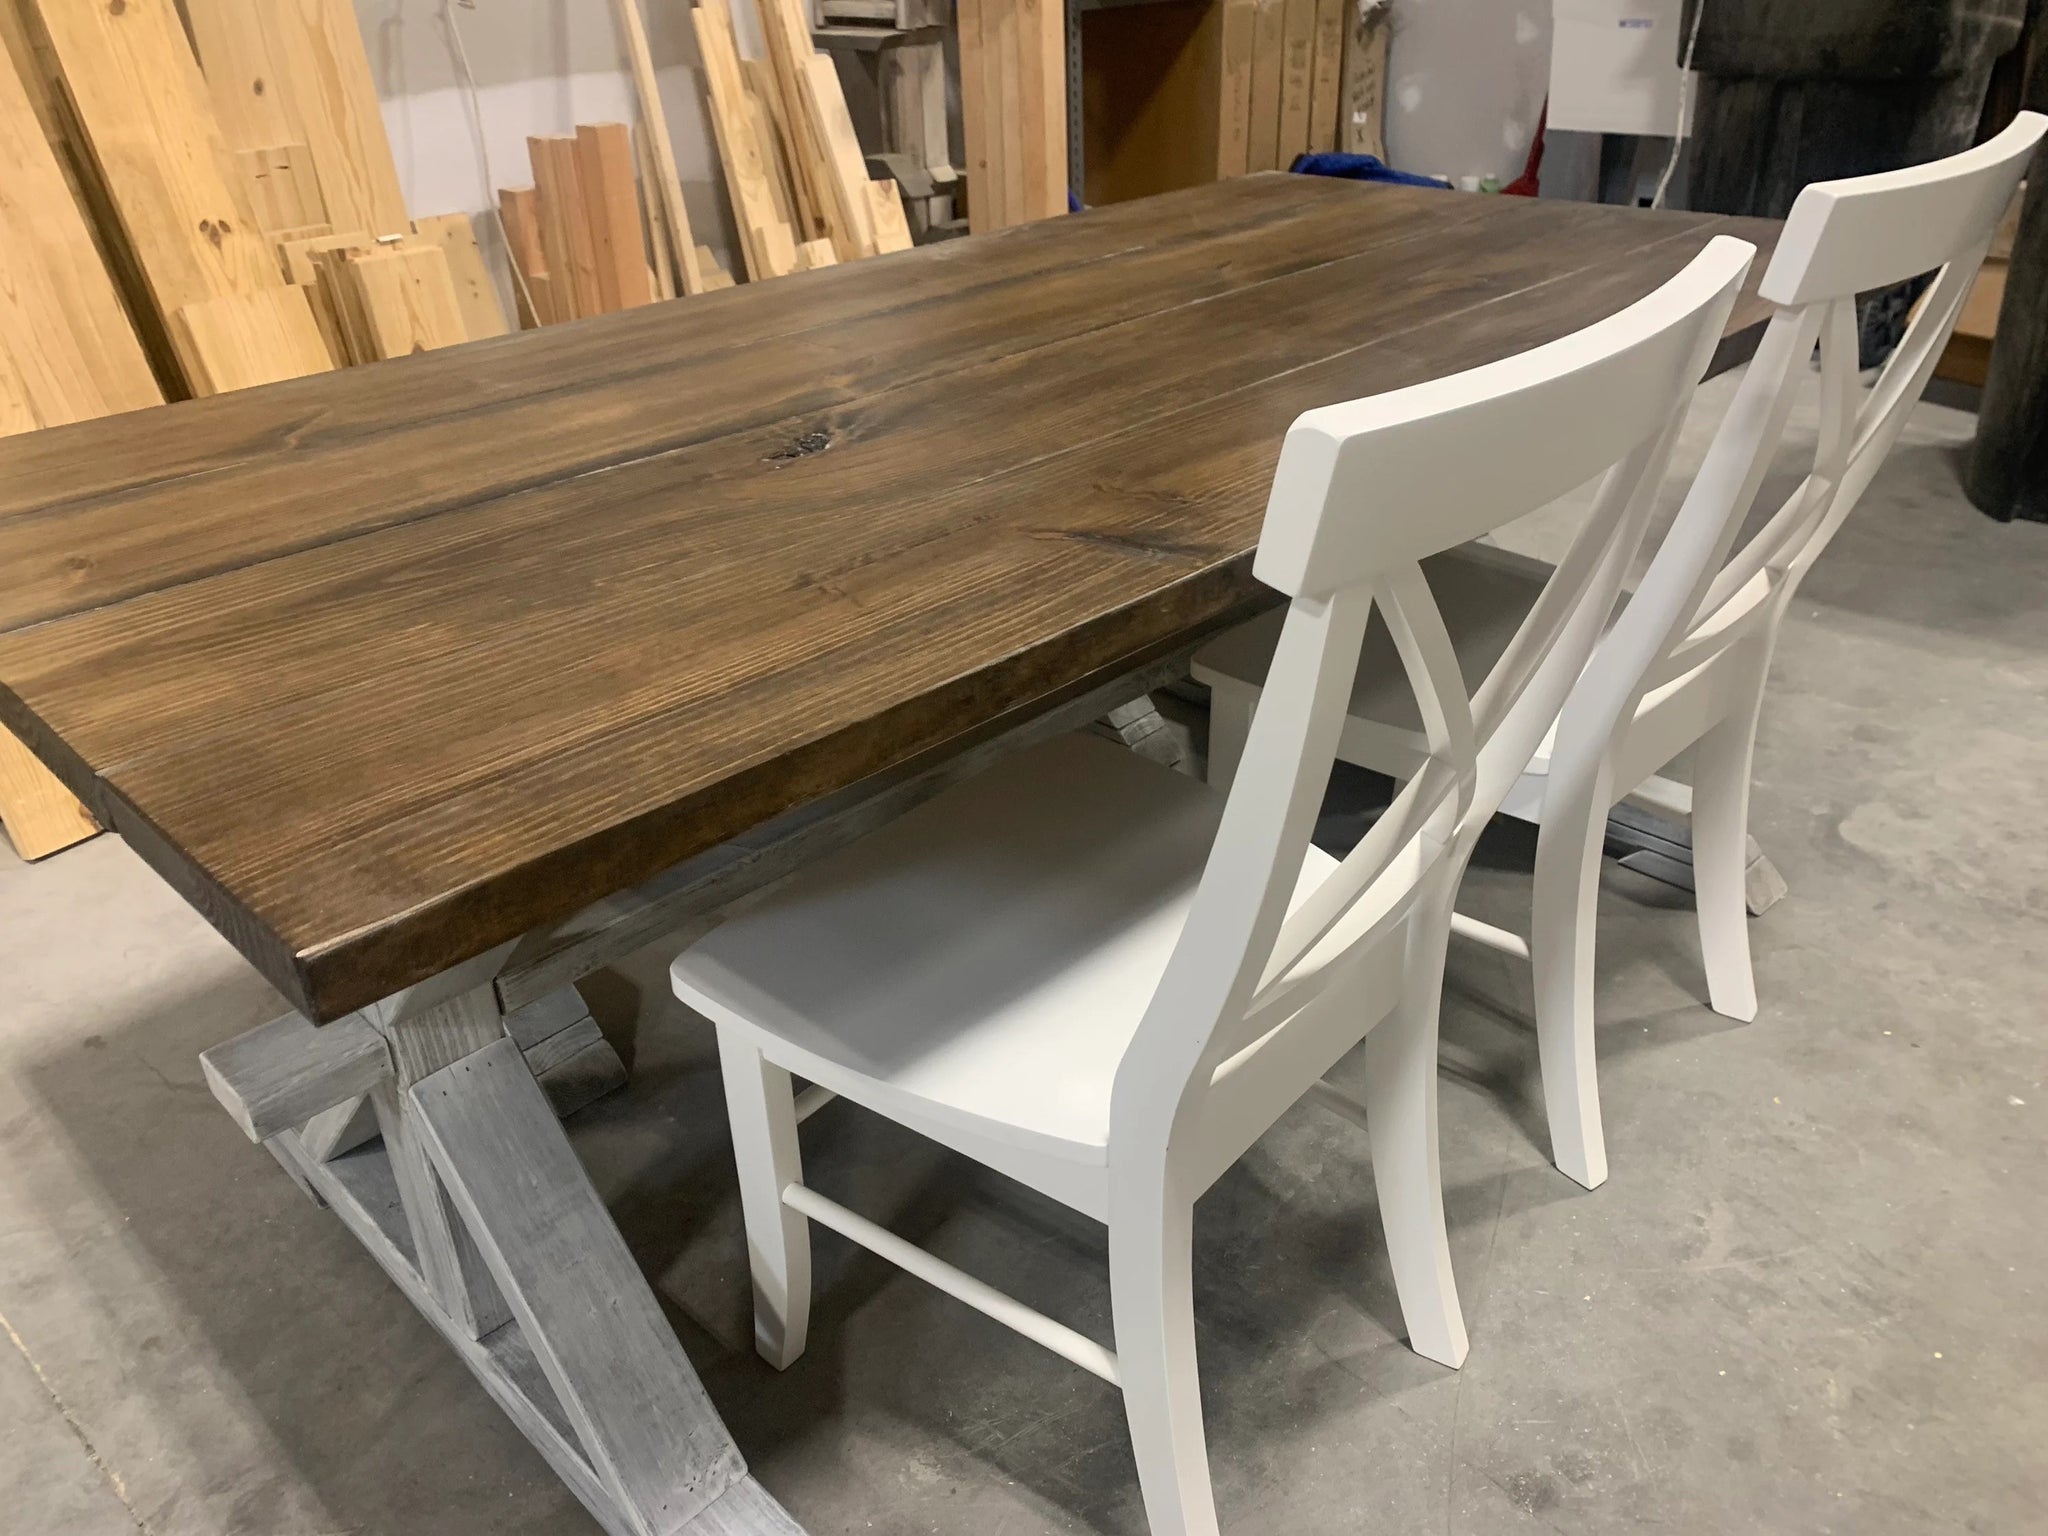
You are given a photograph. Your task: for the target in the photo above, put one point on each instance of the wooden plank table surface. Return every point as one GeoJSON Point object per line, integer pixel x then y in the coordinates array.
{"type": "Point", "coordinates": [384, 668]}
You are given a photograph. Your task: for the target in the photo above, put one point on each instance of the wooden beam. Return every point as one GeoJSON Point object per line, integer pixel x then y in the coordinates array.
{"type": "Point", "coordinates": [476, 295]}
{"type": "Point", "coordinates": [885, 206]}
{"type": "Point", "coordinates": [566, 239]}
{"type": "Point", "coordinates": [41, 816]}
{"type": "Point", "coordinates": [317, 45]}
{"type": "Point", "coordinates": [280, 1075]}
{"type": "Point", "coordinates": [1296, 79]}
{"type": "Point", "coordinates": [611, 206]}
{"type": "Point", "coordinates": [660, 252]}
{"type": "Point", "coordinates": [847, 166]}
{"type": "Point", "coordinates": [1234, 87]}
{"type": "Point", "coordinates": [250, 97]}
{"type": "Point", "coordinates": [1269, 47]}
{"type": "Point", "coordinates": [1042, 106]}
{"type": "Point", "coordinates": [682, 245]}
{"type": "Point", "coordinates": [1326, 74]}
{"type": "Point", "coordinates": [240, 340]}
{"type": "Point", "coordinates": [406, 299]}
{"type": "Point", "coordinates": [768, 244]}
{"type": "Point", "coordinates": [144, 110]}
{"type": "Point", "coordinates": [519, 217]}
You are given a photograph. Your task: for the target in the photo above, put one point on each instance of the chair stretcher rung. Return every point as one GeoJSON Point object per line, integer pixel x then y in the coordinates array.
{"type": "Point", "coordinates": [1005, 1309]}
{"type": "Point", "coordinates": [811, 1100]}
{"type": "Point", "coordinates": [1492, 937]}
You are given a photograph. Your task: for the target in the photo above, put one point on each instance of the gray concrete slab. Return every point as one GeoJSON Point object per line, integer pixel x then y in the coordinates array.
{"type": "Point", "coordinates": [1809, 1300]}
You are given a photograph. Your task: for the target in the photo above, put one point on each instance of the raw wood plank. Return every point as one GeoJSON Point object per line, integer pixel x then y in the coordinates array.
{"type": "Point", "coordinates": [1007, 86]}
{"type": "Point", "coordinates": [715, 275]}
{"type": "Point", "coordinates": [980, 121]}
{"type": "Point", "coordinates": [669, 185]}
{"type": "Point", "coordinates": [476, 295]}
{"type": "Point", "coordinates": [519, 216]}
{"type": "Point", "coordinates": [611, 206]}
{"type": "Point", "coordinates": [317, 45]}
{"type": "Point", "coordinates": [1296, 79]}
{"type": "Point", "coordinates": [131, 78]}
{"type": "Point", "coordinates": [1269, 50]}
{"type": "Point", "coordinates": [1041, 134]}
{"type": "Point", "coordinates": [846, 167]}
{"type": "Point", "coordinates": [40, 815]}
{"type": "Point", "coordinates": [805, 223]}
{"type": "Point", "coordinates": [280, 1075]}
{"type": "Point", "coordinates": [769, 248]}
{"type": "Point", "coordinates": [241, 340]}
{"type": "Point", "coordinates": [815, 253]}
{"type": "Point", "coordinates": [518, 745]}
{"type": "Point", "coordinates": [566, 236]}
{"type": "Point", "coordinates": [283, 188]}
{"type": "Point", "coordinates": [1361, 128]}
{"type": "Point", "coordinates": [1234, 87]}
{"type": "Point", "coordinates": [234, 41]}
{"type": "Point", "coordinates": [407, 298]}
{"type": "Point", "coordinates": [1326, 74]}
{"type": "Point", "coordinates": [301, 260]}
{"type": "Point", "coordinates": [892, 229]}
{"type": "Point", "coordinates": [661, 261]}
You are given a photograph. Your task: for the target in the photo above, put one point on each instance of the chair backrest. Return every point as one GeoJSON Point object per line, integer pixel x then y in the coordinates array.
{"type": "Point", "coordinates": [1364, 491]}
{"type": "Point", "coordinates": [1843, 238]}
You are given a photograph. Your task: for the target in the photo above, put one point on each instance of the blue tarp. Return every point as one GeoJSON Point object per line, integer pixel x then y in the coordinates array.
{"type": "Point", "coordinates": [1361, 168]}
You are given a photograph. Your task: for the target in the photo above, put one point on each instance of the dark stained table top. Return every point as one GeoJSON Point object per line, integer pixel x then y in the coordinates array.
{"type": "Point", "coordinates": [385, 667]}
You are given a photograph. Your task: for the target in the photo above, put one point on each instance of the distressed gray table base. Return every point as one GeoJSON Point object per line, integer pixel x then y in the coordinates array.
{"type": "Point", "coordinates": [428, 1124]}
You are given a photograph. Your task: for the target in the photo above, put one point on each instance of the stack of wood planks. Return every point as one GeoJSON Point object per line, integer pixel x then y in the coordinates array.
{"type": "Point", "coordinates": [801, 194]}
{"type": "Point", "coordinates": [1299, 77]}
{"type": "Point", "coordinates": [589, 237]}
{"type": "Point", "coordinates": [202, 177]}
{"type": "Point", "coordinates": [1013, 104]}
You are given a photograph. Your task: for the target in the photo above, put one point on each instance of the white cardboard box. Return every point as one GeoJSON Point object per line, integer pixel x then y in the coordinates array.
{"type": "Point", "coordinates": [1614, 66]}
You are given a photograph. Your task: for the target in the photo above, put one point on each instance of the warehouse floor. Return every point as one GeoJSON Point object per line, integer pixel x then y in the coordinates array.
{"type": "Point", "coordinates": [1810, 1299]}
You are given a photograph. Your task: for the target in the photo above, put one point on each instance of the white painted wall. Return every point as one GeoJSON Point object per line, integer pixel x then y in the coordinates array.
{"type": "Point", "coordinates": [1465, 84]}
{"type": "Point", "coordinates": [540, 66]}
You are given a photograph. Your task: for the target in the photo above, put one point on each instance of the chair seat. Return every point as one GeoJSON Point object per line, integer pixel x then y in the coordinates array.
{"type": "Point", "coordinates": [982, 962]}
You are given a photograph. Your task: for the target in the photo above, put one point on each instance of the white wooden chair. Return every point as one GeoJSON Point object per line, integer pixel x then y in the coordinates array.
{"type": "Point", "coordinates": [1106, 980]}
{"type": "Point", "coordinates": [1686, 663]}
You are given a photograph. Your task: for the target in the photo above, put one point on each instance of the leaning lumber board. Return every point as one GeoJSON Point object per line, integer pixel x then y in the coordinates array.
{"type": "Point", "coordinates": [240, 340]}
{"type": "Point", "coordinates": [519, 217]}
{"type": "Point", "coordinates": [134, 87]}
{"type": "Point", "coordinates": [1296, 79]}
{"type": "Point", "coordinates": [318, 47]}
{"type": "Point", "coordinates": [1041, 132]}
{"type": "Point", "coordinates": [280, 1075]}
{"type": "Point", "coordinates": [815, 253]}
{"type": "Point", "coordinates": [1234, 87]}
{"type": "Point", "coordinates": [247, 85]}
{"type": "Point", "coordinates": [1326, 75]}
{"type": "Point", "coordinates": [1269, 45]}
{"type": "Point", "coordinates": [565, 229]}
{"type": "Point", "coordinates": [984, 204]}
{"type": "Point", "coordinates": [40, 815]}
{"type": "Point", "coordinates": [715, 275]}
{"type": "Point", "coordinates": [892, 228]}
{"type": "Point", "coordinates": [1005, 87]}
{"type": "Point", "coordinates": [476, 295]}
{"type": "Point", "coordinates": [801, 211]}
{"type": "Point", "coordinates": [1361, 128]}
{"type": "Point", "coordinates": [282, 187]}
{"type": "Point", "coordinates": [682, 245]}
{"type": "Point", "coordinates": [611, 207]}
{"type": "Point", "coordinates": [831, 204]}
{"type": "Point", "coordinates": [768, 245]}
{"type": "Point", "coordinates": [846, 166]}
{"type": "Point", "coordinates": [660, 253]}
{"type": "Point", "coordinates": [407, 299]}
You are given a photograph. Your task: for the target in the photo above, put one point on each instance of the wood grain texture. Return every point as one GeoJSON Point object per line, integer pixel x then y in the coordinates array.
{"type": "Point", "coordinates": [317, 46]}
{"type": "Point", "coordinates": [638, 586]}
{"type": "Point", "coordinates": [241, 340]}
{"type": "Point", "coordinates": [476, 295]}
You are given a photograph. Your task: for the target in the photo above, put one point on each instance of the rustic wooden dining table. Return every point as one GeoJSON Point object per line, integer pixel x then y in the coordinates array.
{"type": "Point", "coordinates": [438, 683]}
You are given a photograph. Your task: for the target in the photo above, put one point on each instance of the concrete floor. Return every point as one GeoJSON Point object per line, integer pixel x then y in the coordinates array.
{"type": "Point", "coordinates": [1809, 1299]}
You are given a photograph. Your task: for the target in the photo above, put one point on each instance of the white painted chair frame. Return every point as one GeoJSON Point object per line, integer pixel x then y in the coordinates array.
{"type": "Point", "coordinates": [1266, 989]}
{"type": "Point", "coordinates": [1685, 665]}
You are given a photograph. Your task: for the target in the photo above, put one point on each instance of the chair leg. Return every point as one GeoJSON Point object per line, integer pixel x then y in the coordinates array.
{"type": "Point", "coordinates": [1564, 924]}
{"type": "Point", "coordinates": [1151, 1256]}
{"type": "Point", "coordinates": [1230, 727]}
{"type": "Point", "coordinates": [761, 1104]}
{"type": "Point", "coordinates": [1720, 857]}
{"type": "Point", "coordinates": [1400, 1105]}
